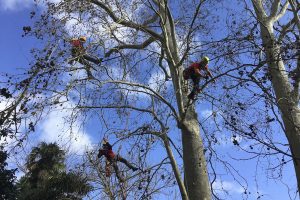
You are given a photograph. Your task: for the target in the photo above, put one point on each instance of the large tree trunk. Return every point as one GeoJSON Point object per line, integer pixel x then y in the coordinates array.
{"type": "Point", "coordinates": [195, 169]}
{"type": "Point", "coordinates": [287, 103]}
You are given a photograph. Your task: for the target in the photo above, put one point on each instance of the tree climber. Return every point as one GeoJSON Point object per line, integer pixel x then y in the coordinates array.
{"type": "Point", "coordinates": [195, 72]}
{"type": "Point", "coordinates": [79, 54]}
{"type": "Point", "coordinates": [78, 49]}
{"type": "Point", "coordinates": [111, 159]}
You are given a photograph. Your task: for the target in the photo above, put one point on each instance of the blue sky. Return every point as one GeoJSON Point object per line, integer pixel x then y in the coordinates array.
{"type": "Point", "coordinates": [15, 56]}
{"type": "Point", "coordinates": [15, 59]}
{"type": "Point", "coordinates": [14, 48]}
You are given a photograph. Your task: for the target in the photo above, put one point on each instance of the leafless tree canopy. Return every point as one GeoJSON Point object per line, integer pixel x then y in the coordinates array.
{"type": "Point", "coordinates": [130, 84]}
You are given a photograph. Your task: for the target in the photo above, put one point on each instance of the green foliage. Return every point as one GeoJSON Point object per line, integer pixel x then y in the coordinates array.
{"type": "Point", "coordinates": [47, 177]}
{"type": "Point", "coordinates": [46, 159]}
{"type": "Point", "coordinates": [7, 178]}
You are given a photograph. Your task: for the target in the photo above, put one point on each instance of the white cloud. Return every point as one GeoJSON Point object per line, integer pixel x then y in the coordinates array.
{"type": "Point", "coordinates": [156, 80]}
{"type": "Point", "coordinates": [19, 174]}
{"type": "Point", "coordinates": [231, 187]}
{"type": "Point", "coordinates": [71, 137]}
{"type": "Point", "coordinates": [12, 5]}
{"type": "Point", "coordinates": [55, 1]}
{"type": "Point", "coordinates": [15, 4]}
{"type": "Point", "coordinates": [206, 113]}
{"type": "Point", "coordinates": [77, 74]}
{"type": "Point", "coordinates": [3, 105]}
{"type": "Point", "coordinates": [209, 116]}
{"type": "Point", "coordinates": [75, 26]}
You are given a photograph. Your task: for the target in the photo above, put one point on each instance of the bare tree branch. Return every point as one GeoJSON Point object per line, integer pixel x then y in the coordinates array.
{"type": "Point", "coordinates": [295, 12]}
{"type": "Point", "coordinates": [130, 46]}
{"type": "Point", "coordinates": [281, 13]}
{"type": "Point", "coordinates": [125, 22]}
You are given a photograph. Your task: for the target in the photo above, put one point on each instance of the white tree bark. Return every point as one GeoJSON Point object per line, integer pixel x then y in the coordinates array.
{"type": "Point", "coordinates": [285, 98]}
{"type": "Point", "coordinates": [196, 182]}
{"type": "Point", "coordinates": [195, 169]}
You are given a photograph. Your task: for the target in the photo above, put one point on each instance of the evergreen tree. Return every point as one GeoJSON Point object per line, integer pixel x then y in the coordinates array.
{"type": "Point", "coordinates": [47, 177]}
{"type": "Point", "coordinates": [7, 178]}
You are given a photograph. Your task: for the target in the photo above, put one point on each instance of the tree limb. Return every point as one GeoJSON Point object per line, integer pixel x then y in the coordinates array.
{"type": "Point", "coordinates": [160, 64]}
{"type": "Point", "coordinates": [151, 20]}
{"type": "Point", "coordinates": [295, 11]}
{"type": "Point", "coordinates": [130, 46]}
{"type": "Point", "coordinates": [177, 173]}
{"type": "Point", "coordinates": [260, 9]}
{"type": "Point", "coordinates": [125, 22]}
{"type": "Point", "coordinates": [274, 9]}
{"type": "Point", "coordinates": [147, 88]}
{"type": "Point", "coordinates": [285, 29]}
{"type": "Point", "coordinates": [115, 106]}
{"type": "Point", "coordinates": [281, 13]}
{"type": "Point", "coordinates": [189, 33]}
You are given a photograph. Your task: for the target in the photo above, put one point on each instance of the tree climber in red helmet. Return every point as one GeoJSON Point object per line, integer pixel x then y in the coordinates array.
{"type": "Point", "coordinates": [111, 159]}
{"type": "Point", "coordinates": [195, 72]}
{"type": "Point", "coordinates": [79, 54]}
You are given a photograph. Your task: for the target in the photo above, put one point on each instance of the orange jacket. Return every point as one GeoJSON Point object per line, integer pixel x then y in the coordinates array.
{"type": "Point", "coordinates": [76, 43]}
